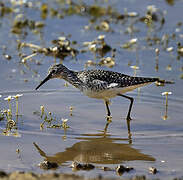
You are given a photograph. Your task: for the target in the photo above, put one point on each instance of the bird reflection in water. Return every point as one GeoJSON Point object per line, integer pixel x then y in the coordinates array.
{"type": "Point", "coordinates": [97, 150]}
{"type": "Point", "coordinates": [109, 120]}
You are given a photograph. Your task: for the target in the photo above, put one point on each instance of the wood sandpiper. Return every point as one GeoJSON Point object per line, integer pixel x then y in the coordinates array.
{"type": "Point", "coordinates": [100, 84]}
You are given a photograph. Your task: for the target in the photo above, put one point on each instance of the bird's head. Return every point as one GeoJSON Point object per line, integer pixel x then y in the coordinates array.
{"type": "Point", "coordinates": [55, 71]}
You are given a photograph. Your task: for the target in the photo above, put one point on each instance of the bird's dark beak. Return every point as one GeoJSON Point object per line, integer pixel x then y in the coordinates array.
{"type": "Point", "coordinates": [45, 80]}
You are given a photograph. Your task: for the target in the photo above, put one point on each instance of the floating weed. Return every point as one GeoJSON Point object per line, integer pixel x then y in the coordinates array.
{"type": "Point", "coordinates": [154, 16]}
{"type": "Point", "coordinates": [8, 57]}
{"type": "Point", "coordinates": [42, 111]}
{"type": "Point", "coordinates": [181, 76]}
{"type": "Point", "coordinates": [4, 9]}
{"type": "Point", "coordinates": [179, 49]}
{"type": "Point", "coordinates": [42, 126]}
{"type": "Point", "coordinates": [169, 49]}
{"type": "Point", "coordinates": [71, 110]}
{"type": "Point", "coordinates": [24, 60]}
{"type": "Point", "coordinates": [133, 41]}
{"type": "Point", "coordinates": [133, 14]}
{"type": "Point", "coordinates": [50, 117]}
{"type": "Point", "coordinates": [66, 84]}
{"type": "Point", "coordinates": [9, 98]}
{"type": "Point", "coordinates": [120, 169]}
{"type": "Point", "coordinates": [163, 82]}
{"type": "Point", "coordinates": [18, 2]}
{"type": "Point", "coordinates": [99, 18]}
{"type": "Point", "coordinates": [61, 49]}
{"type": "Point", "coordinates": [10, 124]}
{"type": "Point", "coordinates": [105, 61]}
{"type": "Point", "coordinates": [64, 123]}
{"type": "Point", "coordinates": [90, 63]}
{"type": "Point", "coordinates": [5, 113]}
{"type": "Point", "coordinates": [11, 128]}
{"type": "Point", "coordinates": [166, 93]}
{"type": "Point", "coordinates": [103, 26]}
{"type": "Point", "coordinates": [1, 116]}
{"type": "Point", "coordinates": [98, 46]}
{"type": "Point", "coordinates": [130, 44]}
{"type": "Point", "coordinates": [21, 24]}
{"type": "Point", "coordinates": [169, 67]}
{"type": "Point", "coordinates": [55, 126]}
{"type": "Point", "coordinates": [9, 115]}
{"type": "Point", "coordinates": [50, 120]}
{"type": "Point", "coordinates": [108, 61]}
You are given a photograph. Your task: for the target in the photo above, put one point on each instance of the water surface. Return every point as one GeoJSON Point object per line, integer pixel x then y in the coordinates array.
{"type": "Point", "coordinates": [154, 142]}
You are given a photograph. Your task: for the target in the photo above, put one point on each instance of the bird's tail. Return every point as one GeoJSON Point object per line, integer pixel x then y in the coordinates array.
{"type": "Point", "coordinates": [161, 82]}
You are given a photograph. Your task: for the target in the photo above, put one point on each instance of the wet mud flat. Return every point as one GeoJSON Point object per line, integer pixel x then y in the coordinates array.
{"type": "Point", "coordinates": [56, 176]}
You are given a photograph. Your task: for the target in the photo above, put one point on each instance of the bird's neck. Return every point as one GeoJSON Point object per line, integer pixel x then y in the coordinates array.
{"type": "Point", "coordinates": [71, 77]}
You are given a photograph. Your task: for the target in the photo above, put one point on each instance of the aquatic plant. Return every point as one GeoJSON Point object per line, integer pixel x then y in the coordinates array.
{"type": "Point", "coordinates": [130, 44]}
{"type": "Point", "coordinates": [71, 110]}
{"type": "Point", "coordinates": [7, 114]}
{"type": "Point", "coordinates": [42, 111]}
{"type": "Point", "coordinates": [64, 123]}
{"type": "Point", "coordinates": [61, 49]}
{"type": "Point", "coordinates": [51, 121]}
{"type": "Point", "coordinates": [16, 98]}
{"type": "Point", "coordinates": [1, 112]}
{"type": "Point", "coordinates": [98, 46]}
{"type": "Point", "coordinates": [9, 98]}
{"type": "Point", "coordinates": [166, 94]}
{"type": "Point", "coordinates": [135, 68]}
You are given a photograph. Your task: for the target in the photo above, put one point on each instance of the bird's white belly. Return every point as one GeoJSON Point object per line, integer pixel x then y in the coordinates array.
{"type": "Point", "coordinates": [110, 93]}
{"type": "Point", "coordinates": [105, 94]}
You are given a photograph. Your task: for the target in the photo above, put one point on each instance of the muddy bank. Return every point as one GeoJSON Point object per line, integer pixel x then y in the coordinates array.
{"type": "Point", "coordinates": [57, 176]}
{"type": "Point", "coordinates": [53, 176]}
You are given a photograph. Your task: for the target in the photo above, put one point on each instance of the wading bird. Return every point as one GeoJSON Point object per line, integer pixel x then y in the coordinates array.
{"type": "Point", "coordinates": [100, 84]}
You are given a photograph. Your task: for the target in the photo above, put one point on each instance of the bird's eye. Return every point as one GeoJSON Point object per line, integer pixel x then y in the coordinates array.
{"type": "Point", "coordinates": [53, 71]}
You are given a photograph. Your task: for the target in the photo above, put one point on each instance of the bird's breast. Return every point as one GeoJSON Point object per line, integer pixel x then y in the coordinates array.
{"type": "Point", "coordinates": [102, 94]}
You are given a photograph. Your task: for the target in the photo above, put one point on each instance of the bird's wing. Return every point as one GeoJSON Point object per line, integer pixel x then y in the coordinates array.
{"type": "Point", "coordinates": [112, 85]}
{"type": "Point", "coordinates": [101, 85]}
{"type": "Point", "coordinates": [97, 82]}
{"type": "Point", "coordinates": [124, 81]}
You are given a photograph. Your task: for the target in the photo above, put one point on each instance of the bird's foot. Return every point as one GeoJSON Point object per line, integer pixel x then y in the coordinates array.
{"type": "Point", "coordinates": [109, 118]}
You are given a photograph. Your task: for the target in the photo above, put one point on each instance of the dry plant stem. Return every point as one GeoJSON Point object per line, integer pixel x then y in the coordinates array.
{"type": "Point", "coordinates": [42, 111]}
{"type": "Point", "coordinates": [157, 64]}
{"type": "Point", "coordinates": [28, 57]}
{"type": "Point", "coordinates": [10, 108]}
{"type": "Point", "coordinates": [135, 72]}
{"type": "Point", "coordinates": [166, 105]}
{"type": "Point", "coordinates": [31, 45]}
{"type": "Point", "coordinates": [16, 122]}
{"type": "Point", "coordinates": [16, 107]}
{"type": "Point", "coordinates": [6, 114]}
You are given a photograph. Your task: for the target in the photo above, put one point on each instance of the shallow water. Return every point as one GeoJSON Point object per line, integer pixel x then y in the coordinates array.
{"type": "Point", "coordinates": [154, 142]}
